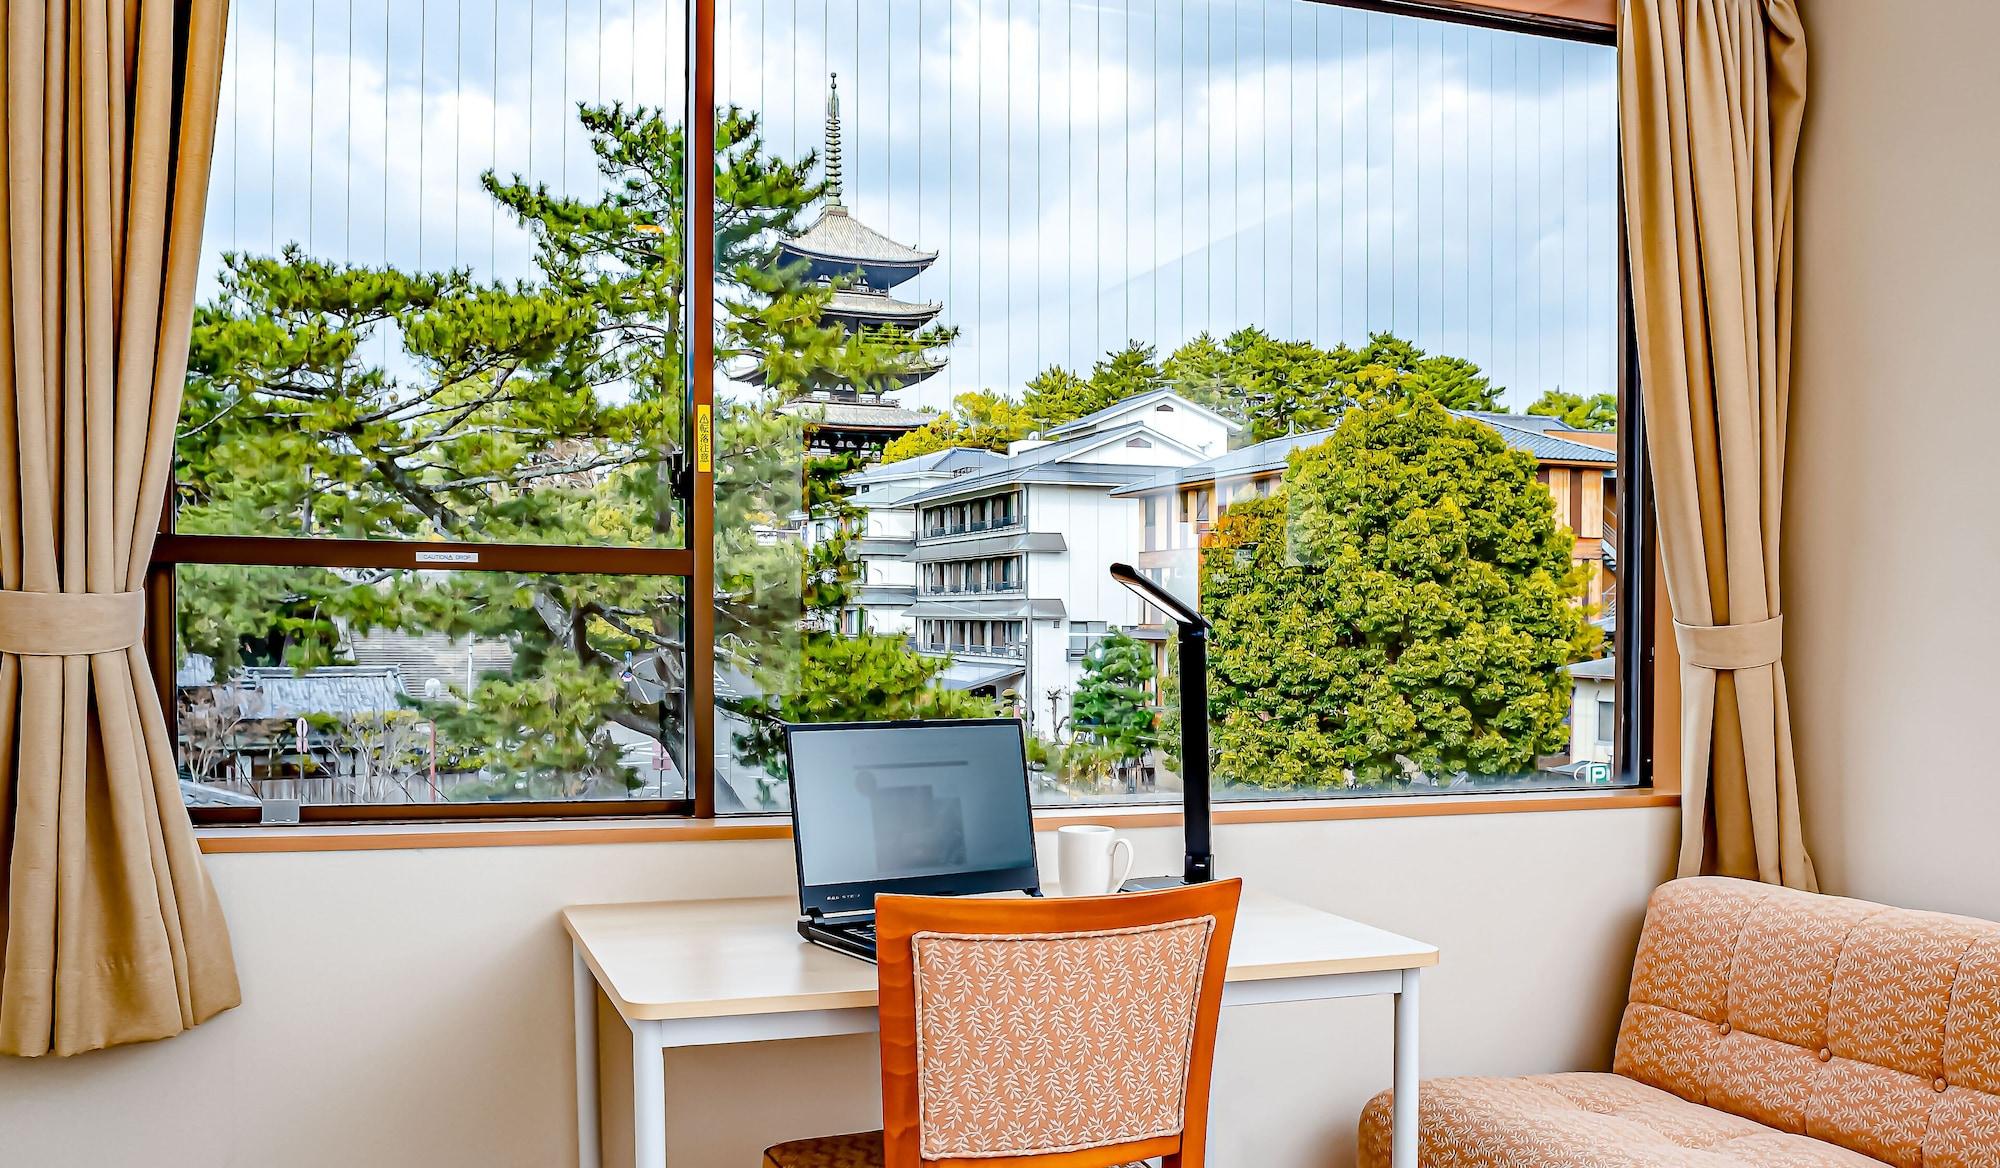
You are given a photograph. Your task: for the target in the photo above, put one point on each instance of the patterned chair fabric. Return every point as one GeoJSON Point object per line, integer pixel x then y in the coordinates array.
{"type": "Point", "coordinates": [1764, 1026]}
{"type": "Point", "coordinates": [1055, 1042]}
{"type": "Point", "coordinates": [860, 1150]}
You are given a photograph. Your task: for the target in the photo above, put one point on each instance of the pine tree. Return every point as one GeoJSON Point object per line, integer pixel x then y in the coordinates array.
{"type": "Point", "coordinates": [1112, 703]}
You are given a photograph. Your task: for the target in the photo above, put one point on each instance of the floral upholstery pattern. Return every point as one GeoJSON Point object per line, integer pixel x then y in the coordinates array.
{"type": "Point", "coordinates": [1764, 1026]}
{"type": "Point", "coordinates": [1054, 1042]}
{"type": "Point", "coordinates": [1585, 1121]}
{"type": "Point", "coordinates": [860, 1150]}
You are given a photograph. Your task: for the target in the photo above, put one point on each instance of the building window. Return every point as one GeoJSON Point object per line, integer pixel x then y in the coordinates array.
{"type": "Point", "coordinates": [1085, 636]}
{"type": "Point", "coordinates": [1607, 720]}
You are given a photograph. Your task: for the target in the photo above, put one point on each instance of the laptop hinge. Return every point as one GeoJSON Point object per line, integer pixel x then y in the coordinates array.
{"type": "Point", "coordinates": [853, 916]}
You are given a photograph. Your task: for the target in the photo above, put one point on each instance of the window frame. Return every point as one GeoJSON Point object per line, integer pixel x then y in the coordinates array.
{"type": "Point", "coordinates": [1589, 21]}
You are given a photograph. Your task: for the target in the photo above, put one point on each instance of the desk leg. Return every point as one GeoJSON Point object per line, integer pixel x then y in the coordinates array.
{"type": "Point", "coordinates": [649, 1096]}
{"type": "Point", "coordinates": [583, 987]}
{"type": "Point", "coordinates": [1403, 1110]}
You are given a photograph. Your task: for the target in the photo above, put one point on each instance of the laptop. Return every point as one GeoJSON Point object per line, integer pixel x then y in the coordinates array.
{"type": "Point", "coordinates": [938, 808]}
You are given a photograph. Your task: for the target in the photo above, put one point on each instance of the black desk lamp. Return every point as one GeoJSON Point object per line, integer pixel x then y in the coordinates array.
{"type": "Point", "coordinates": [1191, 640]}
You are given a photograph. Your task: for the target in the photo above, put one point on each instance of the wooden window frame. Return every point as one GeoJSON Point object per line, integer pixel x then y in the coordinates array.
{"type": "Point", "coordinates": [1591, 21]}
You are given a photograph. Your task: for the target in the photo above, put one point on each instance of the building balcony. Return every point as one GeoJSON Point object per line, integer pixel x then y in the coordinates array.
{"type": "Point", "coordinates": [987, 545]}
{"type": "Point", "coordinates": [980, 527]}
{"type": "Point", "coordinates": [885, 595]}
{"type": "Point", "coordinates": [1012, 651]}
{"type": "Point", "coordinates": [990, 588]}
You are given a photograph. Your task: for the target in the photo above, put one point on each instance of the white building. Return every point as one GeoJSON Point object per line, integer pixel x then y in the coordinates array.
{"type": "Point", "coordinates": [1593, 712]}
{"type": "Point", "coordinates": [886, 586]}
{"type": "Point", "coordinates": [1007, 555]}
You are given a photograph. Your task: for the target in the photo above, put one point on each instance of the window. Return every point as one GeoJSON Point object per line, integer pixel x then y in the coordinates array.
{"type": "Point", "coordinates": [1303, 218]}
{"type": "Point", "coordinates": [1085, 636]}
{"type": "Point", "coordinates": [428, 547]}
{"type": "Point", "coordinates": [494, 496]}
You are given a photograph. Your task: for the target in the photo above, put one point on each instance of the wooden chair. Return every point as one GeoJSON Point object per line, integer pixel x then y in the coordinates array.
{"type": "Point", "coordinates": [1024, 1033]}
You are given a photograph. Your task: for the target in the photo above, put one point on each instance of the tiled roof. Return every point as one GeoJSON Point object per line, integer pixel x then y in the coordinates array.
{"type": "Point", "coordinates": [1261, 458]}
{"type": "Point", "coordinates": [858, 415]}
{"type": "Point", "coordinates": [869, 305]}
{"type": "Point", "coordinates": [329, 689]}
{"type": "Point", "coordinates": [1542, 437]}
{"type": "Point", "coordinates": [1092, 421]}
{"type": "Point", "coordinates": [843, 237]}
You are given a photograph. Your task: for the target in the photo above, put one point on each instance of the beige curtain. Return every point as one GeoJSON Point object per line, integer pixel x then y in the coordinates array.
{"type": "Point", "coordinates": [111, 931]}
{"type": "Point", "coordinates": [1713, 94]}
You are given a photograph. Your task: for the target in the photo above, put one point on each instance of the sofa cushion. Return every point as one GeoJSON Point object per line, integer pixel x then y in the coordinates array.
{"type": "Point", "coordinates": [1871, 1028]}
{"type": "Point", "coordinates": [1585, 1121]}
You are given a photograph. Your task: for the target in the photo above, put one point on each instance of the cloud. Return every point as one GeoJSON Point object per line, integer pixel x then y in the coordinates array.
{"type": "Point", "coordinates": [1089, 172]}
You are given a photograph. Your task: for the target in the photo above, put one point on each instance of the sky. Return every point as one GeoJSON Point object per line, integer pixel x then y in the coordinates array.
{"type": "Point", "coordinates": [1088, 172]}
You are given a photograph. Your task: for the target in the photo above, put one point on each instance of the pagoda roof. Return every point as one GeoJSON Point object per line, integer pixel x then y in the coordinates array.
{"type": "Point", "coordinates": [865, 306]}
{"type": "Point", "coordinates": [838, 245]}
{"type": "Point", "coordinates": [914, 368]}
{"type": "Point", "coordinates": [856, 414]}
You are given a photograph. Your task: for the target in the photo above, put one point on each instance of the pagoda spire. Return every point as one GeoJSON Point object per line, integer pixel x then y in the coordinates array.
{"type": "Point", "coordinates": [833, 140]}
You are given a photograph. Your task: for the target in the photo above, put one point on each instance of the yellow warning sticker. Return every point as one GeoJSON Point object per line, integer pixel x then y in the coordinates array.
{"type": "Point", "coordinates": [704, 440]}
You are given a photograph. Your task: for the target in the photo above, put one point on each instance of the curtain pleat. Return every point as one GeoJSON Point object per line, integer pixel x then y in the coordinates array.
{"type": "Point", "coordinates": [110, 931]}
{"type": "Point", "coordinates": [1713, 94]}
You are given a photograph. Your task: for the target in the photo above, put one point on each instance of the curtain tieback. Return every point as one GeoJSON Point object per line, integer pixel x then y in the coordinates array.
{"type": "Point", "coordinates": [1731, 647]}
{"type": "Point", "coordinates": [70, 624]}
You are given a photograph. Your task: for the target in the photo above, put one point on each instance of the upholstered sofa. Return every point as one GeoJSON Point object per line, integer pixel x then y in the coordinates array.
{"type": "Point", "coordinates": [1764, 1027]}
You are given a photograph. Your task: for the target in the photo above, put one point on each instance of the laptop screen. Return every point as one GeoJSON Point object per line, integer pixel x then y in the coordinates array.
{"type": "Point", "coordinates": [929, 807]}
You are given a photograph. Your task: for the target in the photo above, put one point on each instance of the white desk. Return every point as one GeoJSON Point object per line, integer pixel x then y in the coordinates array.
{"type": "Point", "coordinates": [708, 972]}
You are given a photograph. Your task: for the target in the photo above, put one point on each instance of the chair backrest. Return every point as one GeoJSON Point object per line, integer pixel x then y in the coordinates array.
{"type": "Point", "coordinates": [1070, 1033]}
{"type": "Point", "coordinates": [1877, 1029]}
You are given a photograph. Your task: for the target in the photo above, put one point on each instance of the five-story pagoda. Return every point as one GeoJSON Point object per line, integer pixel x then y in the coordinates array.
{"type": "Point", "coordinates": [860, 265]}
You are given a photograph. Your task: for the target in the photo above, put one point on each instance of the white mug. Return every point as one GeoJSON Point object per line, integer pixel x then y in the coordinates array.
{"type": "Point", "coordinates": [1087, 862]}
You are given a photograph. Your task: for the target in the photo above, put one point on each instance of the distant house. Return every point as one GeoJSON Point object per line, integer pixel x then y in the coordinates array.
{"type": "Point", "coordinates": [1007, 555]}
{"type": "Point", "coordinates": [1178, 507]}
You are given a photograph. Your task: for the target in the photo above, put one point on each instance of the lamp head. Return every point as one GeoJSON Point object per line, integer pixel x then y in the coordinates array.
{"type": "Point", "coordinates": [1182, 612]}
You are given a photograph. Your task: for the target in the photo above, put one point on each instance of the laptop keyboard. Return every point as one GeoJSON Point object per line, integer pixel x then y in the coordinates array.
{"type": "Point", "coordinates": [866, 932]}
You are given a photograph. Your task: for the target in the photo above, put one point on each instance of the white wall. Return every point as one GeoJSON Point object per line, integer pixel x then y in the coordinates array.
{"type": "Point", "coordinates": [1892, 546]}
{"type": "Point", "coordinates": [410, 1008]}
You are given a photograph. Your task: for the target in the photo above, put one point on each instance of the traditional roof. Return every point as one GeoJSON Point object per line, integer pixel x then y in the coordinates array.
{"type": "Point", "coordinates": [329, 689]}
{"type": "Point", "coordinates": [859, 413]}
{"type": "Point", "coordinates": [1147, 400]}
{"type": "Point", "coordinates": [1542, 437]}
{"type": "Point", "coordinates": [1266, 457]}
{"type": "Point", "coordinates": [949, 461]}
{"type": "Point", "coordinates": [860, 307]}
{"type": "Point", "coordinates": [838, 246]}
{"type": "Point", "coordinates": [1050, 462]}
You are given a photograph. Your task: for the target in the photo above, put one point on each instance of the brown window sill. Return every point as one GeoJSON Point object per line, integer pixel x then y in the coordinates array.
{"type": "Point", "coordinates": [541, 833]}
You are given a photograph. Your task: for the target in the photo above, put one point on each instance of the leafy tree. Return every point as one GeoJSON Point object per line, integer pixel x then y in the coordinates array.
{"type": "Point", "coordinates": [1112, 704]}
{"type": "Point", "coordinates": [980, 418]}
{"type": "Point", "coordinates": [1597, 412]}
{"type": "Point", "coordinates": [1405, 603]}
{"type": "Point", "coordinates": [370, 402]}
{"type": "Point", "coordinates": [1293, 387]}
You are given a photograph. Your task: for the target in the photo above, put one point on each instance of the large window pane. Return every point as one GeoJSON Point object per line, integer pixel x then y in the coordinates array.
{"type": "Point", "coordinates": [1310, 312]}
{"type": "Point", "coordinates": [423, 687]}
{"type": "Point", "coordinates": [441, 293]}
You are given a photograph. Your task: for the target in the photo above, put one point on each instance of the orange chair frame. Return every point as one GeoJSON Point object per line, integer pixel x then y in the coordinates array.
{"type": "Point", "coordinates": [899, 918]}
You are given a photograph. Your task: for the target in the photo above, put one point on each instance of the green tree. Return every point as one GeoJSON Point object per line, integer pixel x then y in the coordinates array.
{"type": "Point", "coordinates": [981, 419]}
{"type": "Point", "coordinates": [1112, 703]}
{"type": "Point", "coordinates": [370, 402]}
{"type": "Point", "coordinates": [1406, 602]}
{"type": "Point", "coordinates": [1597, 412]}
{"type": "Point", "coordinates": [1292, 387]}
